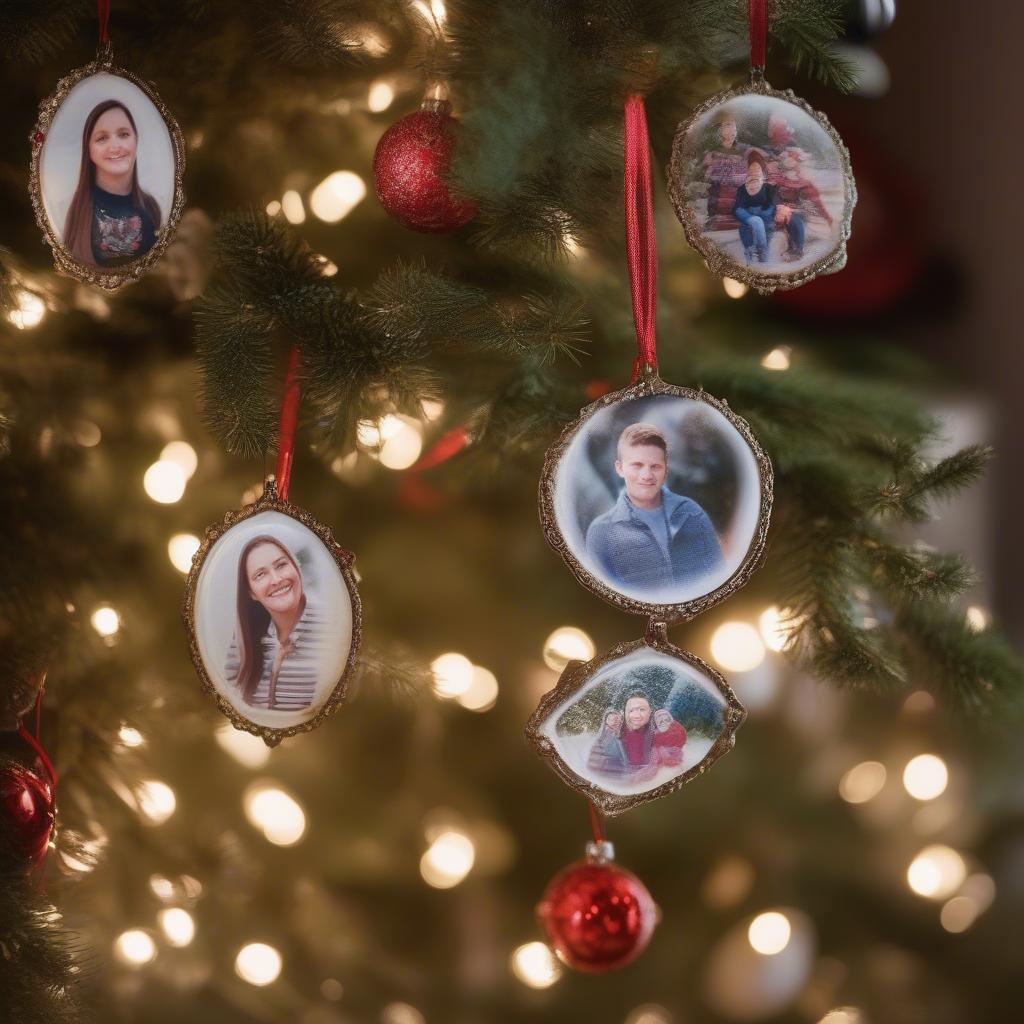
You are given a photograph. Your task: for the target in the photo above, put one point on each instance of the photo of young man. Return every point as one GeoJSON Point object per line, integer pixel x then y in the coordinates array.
{"type": "Point", "coordinates": [652, 539]}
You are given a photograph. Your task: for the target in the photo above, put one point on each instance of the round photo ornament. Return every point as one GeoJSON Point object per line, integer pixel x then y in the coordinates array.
{"type": "Point", "coordinates": [107, 169]}
{"type": "Point", "coordinates": [761, 181]}
{"type": "Point", "coordinates": [271, 608]}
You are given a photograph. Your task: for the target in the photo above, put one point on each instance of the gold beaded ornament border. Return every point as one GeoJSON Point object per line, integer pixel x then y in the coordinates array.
{"type": "Point", "coordinates": [576, 676]}
{"type": "Point", "coordinates": [270, 502]}
{"type": "Point", "coordinates": [65, 263]}
{"type": "Point", "coordinates": [717, 261]}
{"type": "Point", "coordinates": [649, 385]}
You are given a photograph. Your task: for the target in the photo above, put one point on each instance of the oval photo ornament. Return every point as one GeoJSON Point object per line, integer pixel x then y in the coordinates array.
{"type": "Point", "coordinates": [763, 186]}
{"type": "Point", "coordinates": [273, 617]}
{"type": "Point", "coordinates": [658, 499]}
{"type": "Point", "coordinates": [108, 161]}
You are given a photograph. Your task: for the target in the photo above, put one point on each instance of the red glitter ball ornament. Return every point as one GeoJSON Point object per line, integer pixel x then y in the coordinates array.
{"type": "Point", "coordinates": [410, 169]}
{"type": "Point", "coordinates": [598, 917]}
{"type": "Point", "coordinates": [26, 812]}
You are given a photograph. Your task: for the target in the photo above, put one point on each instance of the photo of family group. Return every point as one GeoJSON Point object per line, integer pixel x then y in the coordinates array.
{"type": "Point", "coordinates": [762, 182]}
{"type": "Point", "coordinates": [658, 498]}
{"type": "Point", "coordinates": [641, 721]}
{"type": "Point", "coordinates": [108, 174]}
{"type": "Point", "coordinates": [273, 620]}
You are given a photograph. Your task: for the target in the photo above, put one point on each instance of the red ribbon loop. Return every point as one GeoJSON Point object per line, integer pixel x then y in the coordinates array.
{"type": "Point", "coordinates": [641, 244]}
{"type": "Point", "coordinates": [286, 428]}
{"type": "Point", "coordinates": [35, 742]}
{"type": "Point", "coordinates": [758, 14]}
{"type": "Point", "coordinates": [103, 13]}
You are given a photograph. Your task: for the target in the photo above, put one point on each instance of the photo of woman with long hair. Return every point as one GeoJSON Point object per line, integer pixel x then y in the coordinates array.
{"type": "Point", "coordinates": [111, 220]}
{"type": "Point", "coordinates": [280, 636]}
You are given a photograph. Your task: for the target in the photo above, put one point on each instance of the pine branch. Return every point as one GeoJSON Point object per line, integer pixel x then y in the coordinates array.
{"type": "Point", "coordinates": [806, 30]}
{"type": "Point", "coordinates": [33, 30]}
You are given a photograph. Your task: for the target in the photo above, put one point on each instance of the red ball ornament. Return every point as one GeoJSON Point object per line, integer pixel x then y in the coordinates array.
{"type": "Point", "coordinates": [410, 169]}
{"type": "Point", "coordinates": [598, 917]}
{"type": "Point", "coordinates": [26, 812]}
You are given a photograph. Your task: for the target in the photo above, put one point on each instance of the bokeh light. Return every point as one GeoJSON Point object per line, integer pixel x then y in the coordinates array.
{"type": "Point", "coordinates": [275, 813]}
{"type": "Point", "coordinates": [156, 801]}
{"type": "Point", "coordinates": [130, 736]}
{"type": "Point", "coordinates": [737, 646]}
{"type": "Point", "coordinates": [649, 1013]}
{"type": "Point", "coordinates": [380, 96]}
{"type": "Point", "coordinates": [135, 947]}
{"type": "Point", "coordinates": [248, 750]}
{"type": "Point", "coordinates": [105, 621]}
{"type": "Point", "coordinates": [565, 644]}
{"type": "Point", "coordinates": [165, 482]}
{"type": "Point", "coordinates": [936, 872]}
{"type": "Point", "coordinates": [535, 965]}
{"type": "Point", "coordinates": [337, 196]}
{"type": "Point", "coordinates": [453, 675]}
{"type": "Point", "coordinates": [925, 777]}
{"type": "Point", "coordinates": [181, 549]}
{"type": "Point", "coordinates": [28, 311]}
{"type": "Point", "coordinates": [483, 691]}
{"type": "Point", "coordinates": [958, 914]}
{"type": "Point", "coordinates": [862, 782]}
{"type": "Point", "coordinates": [733, 288]}
{"type": "Point", "coordinates": [977, 618]}
{"type": "Point", "coordinates": [448, 859]}
{"type": "Point", "coordinates": [777, 359]}
{"type": "Point", "coordinates": [842, 1015]}
{"type": "Point", "coordinates": [258, 963]}
{"type": "Point", "coordinates": [401, 1013]}
{"type": "Point", "coordinates": [182, 454]}
{"type": "Point", "coordinates": [769, 933]}
{"type": "Point", "coordinates": [177, 925]}
{"type": "Point", "coordinates": [400, 447]}
{"type": "Point", "coordinates": [292, 208]}
{"type": "Point", "coordinates": [773, 631]}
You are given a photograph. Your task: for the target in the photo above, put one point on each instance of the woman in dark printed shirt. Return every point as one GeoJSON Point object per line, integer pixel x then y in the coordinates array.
{"type": "Point", "coordinates": [281, 638]}
{"type": "Point", "coordinates": [111, 221]}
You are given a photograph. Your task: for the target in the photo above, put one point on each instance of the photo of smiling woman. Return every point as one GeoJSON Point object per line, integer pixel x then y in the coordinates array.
{"type": "Point", "coordinates": [111, 220]}
{"type": "Point", "coordinates": [273, 620]}
{"type": "Point", "coordinates": [280, 636]}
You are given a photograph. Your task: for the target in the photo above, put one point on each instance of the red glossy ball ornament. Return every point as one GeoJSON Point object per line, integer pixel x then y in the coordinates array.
{"type": "Point", "coordinates": [411, 165]}
{"type": "Point", "coordinates": [26, 812]}
{"type": "Point", "coordinates": [598, 917]}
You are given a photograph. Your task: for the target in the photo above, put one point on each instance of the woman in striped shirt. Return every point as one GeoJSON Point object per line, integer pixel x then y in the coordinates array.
{"type": "Point", "coordinates": [281, 637]}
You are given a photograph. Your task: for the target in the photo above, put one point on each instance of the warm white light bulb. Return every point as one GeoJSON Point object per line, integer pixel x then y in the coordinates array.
{"type": "Point", "coordinates": [402, 443]}
{"type": "Point", "coordinates": [447, 860]}
{"type": "Point", "coordinates": [774, 634]}
{"type": "Point", "coordinates": [291, 206]}
{"type": "Point", "coordinates": [28, 311]}
{"type": "Point", "coordinates": [769, 933]}
{"type": "Point", "coordinates": [165, 482]}
{"type": "Point", "coordinates": [733, 288]}
{"type": "Point", "coordinates": [337, 196]}
{"type": "Point", "coordinates": [135, 947]}
{"type": "Point", "coordinates": [777, 359]}
{"type": "Point", "coordinates": [182, 454]}
{"type": "Point", "coordinates": [258, 963]}
{"type": "Point", "coordinates": [181, 549]}
{"type": "Point", "coordinates": [105, 621]}
{"type": "Point", "coordinates": [248, 750]}
{"type": "Point", "coordinates": [936, 872]}
{"type": "Point", "coordinates": [453, 675]}
{"type": "Point", "coordinates": [862, 782]}
{"type": "Point", "coordinates": [273, 208]}
{"type": "Point", "coordinates": [925, 777]}
{"type": "Point", "coordinates": [156, 801]}
{"type": "Point", "coordinates": [130, 736]}
{"type": "Point", "coordinates": [380, 97]}
{"type": "Point", "coordinates": [177, 925]}
{"type": "Point", "coordinates": [277, 814]}
{"type": "Point", "coordinates": [737, 646]}
{"type": "Point", "coordinates": [565, 644]}
{"type": "Point", "coordinates": [482, 692]}
{"type": "Point", "coordinates": [535, 965]}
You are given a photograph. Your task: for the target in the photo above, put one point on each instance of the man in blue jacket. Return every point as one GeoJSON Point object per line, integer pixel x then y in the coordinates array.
{"type": "Point", "coordinates": [651, 540]}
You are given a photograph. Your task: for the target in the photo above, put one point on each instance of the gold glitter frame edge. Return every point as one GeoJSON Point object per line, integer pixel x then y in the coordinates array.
{"type": "Point", "coordinates": [682, 611]}
{"type": "Point", "coordinates": [65, 263]}
{"type": "Point", "coordinates": [269, 502]}
{"type": "Point", "coordinates": [575, 677]}
{"type": "Point", "coordinates": [717, 262]}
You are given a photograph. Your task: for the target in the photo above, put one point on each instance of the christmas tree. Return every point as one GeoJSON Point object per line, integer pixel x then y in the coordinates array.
{"type": "Point", "coordinates": [851, 856]}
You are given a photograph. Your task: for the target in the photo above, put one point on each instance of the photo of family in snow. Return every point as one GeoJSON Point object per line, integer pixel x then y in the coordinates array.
{"type": "Point", "coordinates": [764, 183]}
{"type": "Point", "coordinates": [273, 619]}
{"type": "Point", "coordinates": [643, 720]}
{"type": "Point", "coordinates": [659, 498]}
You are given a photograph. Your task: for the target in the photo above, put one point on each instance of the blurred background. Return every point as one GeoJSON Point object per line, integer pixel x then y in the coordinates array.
{"type": "Point", "coordinates": [857, 859]}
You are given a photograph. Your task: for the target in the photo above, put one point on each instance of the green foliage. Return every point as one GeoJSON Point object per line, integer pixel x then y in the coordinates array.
{"type": "Point", "coordinates": [32, 30]}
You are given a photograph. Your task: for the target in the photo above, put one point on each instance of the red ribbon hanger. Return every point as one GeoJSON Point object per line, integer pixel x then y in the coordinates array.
{"type": "Point", "coordinates": [103, 14]}
{"type": "Point", "coordinates": [758, 16]}
{"type": "Point", "coordinates": [641, 244]}
{"type": "Point", "coordinates": [286, 428]}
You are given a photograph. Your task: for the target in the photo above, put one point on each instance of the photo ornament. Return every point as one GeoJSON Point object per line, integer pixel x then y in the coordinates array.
{"type": "Point", "coordinates": [658, 499]}
{"type": "Point", "coordinates": [273, 617]}
{"type": "Point", "coordinates": [636, 723]}
{"type": "Point", "coordinates": [108, 161]}
{"type": "Point", "coordinates": [764, 188]}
